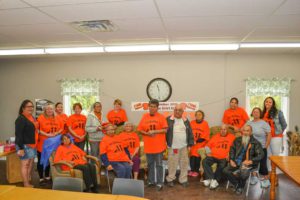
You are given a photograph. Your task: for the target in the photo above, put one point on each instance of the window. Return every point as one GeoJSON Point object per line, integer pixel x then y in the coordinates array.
{"type": "Point", "coordinates": [84, 91]}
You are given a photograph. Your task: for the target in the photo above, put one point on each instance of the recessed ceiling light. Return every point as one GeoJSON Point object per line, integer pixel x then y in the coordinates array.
{"type": "Point", "coordinates": [74, 50]}
{"type": "Point", "coordinates": [21, 52]}
{"type": "Point", "coordinates": [137, 48]}
{"type": "Point", "coordinates": [269, 45]}
{"type": "Point", "coordinates": [203, 47]}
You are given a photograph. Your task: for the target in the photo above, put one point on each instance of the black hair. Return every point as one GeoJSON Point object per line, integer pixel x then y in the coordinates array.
{"type": "Point", "coordinates": [200, 111]}
{"type": "Point", "coordinates": [62, 138]}
{"type": "Point", "coordinates": [273, 110]}
{"type": "Point", "coordinates": [23, 105]}
{"type": "Point", "coordinates": [234, 98]}
{"type": "Point", "coordinates": [58, 103]}
{"type": "Point", "coordinates": [154, 101]}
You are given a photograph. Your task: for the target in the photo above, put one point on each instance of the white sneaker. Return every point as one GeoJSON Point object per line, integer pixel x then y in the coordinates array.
{"type": "Point", "coordinates": [213, 184]}
{"type": "Point", "coordinates": [253, 180]}
{"type": "Point", "coordinates": [265, 183]}
{"type": "Point", "coordinates": [206, 182]}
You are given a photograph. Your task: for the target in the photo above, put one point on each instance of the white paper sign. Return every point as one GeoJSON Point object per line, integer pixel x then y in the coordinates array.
{"type": "Point", "coordinates": [166, 106]}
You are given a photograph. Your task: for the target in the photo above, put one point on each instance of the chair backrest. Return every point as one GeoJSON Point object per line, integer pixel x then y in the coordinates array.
{"type": "Point", "coordinates": [129, 187]}
{"type": "Point", "coordinates": [68, 184]}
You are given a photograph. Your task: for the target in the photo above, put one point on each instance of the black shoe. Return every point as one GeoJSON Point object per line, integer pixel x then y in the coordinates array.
{"type": "Point", "coordinates": [95, 189]}
{"type": "Point", "coordinates": [170, 184]}
{"type": "Point", "coordinates": [185, 184]}
{"type": "Point", "coordinates": [150, 184]}
{"type": "Point", "coordinates": [239, 191]}
{"type": "Point", "coordinates": [159, 187]}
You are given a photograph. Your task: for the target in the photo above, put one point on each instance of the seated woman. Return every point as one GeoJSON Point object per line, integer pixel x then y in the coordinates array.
{"type": "Point", "coordinates": [133, 143]}
{"type": "Point", "coordinates": [73, 155]}
{"type": "Point", "coordinates": [114, 155]}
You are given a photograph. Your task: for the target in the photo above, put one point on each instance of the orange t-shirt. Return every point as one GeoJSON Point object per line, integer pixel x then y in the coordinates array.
{"type": "Point", "coordinates": [63, 118]}
{"type": "Point", "coordinates": [70, 153]}
{"type": "Point", "coordinates": [113, 146]}
{"type": "Point", "coordinates": [47, 125]}
{"type": "Point", "coordinates": [117, 117]}
{"type": "Point", "coordinates": [157, 142]}
{"type": "Point", "coordinates": [36, 132]}
{"type": "Point", "coordinates": [200, 131]}
{"type": "Point", "coordinates": [131, 140]}
{"type": "Point", "coordinates": [220, 146]}
{"type": "Point", "coordinates": [236, 117]}
{"type": "Point", "coordinates": [77, 123]}
{"type": "Point", "coordinates": [272, 125]}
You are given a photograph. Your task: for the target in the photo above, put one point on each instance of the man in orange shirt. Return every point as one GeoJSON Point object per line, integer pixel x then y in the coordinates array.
{"type": "Point", "coordinates": [217, 150]}
{"type": "Point", "coordinates": [153, 126]}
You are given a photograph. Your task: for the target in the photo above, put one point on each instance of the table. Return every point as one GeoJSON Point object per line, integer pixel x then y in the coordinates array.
{"type": "Point", "coordinates": [9, 192]}
{"type": "Point", "coordinates": [13, 167]}
{"type": "Point", "coordinates": [289, 165]}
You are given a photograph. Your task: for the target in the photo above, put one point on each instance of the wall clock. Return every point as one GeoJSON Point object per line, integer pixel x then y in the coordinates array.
{"type": "Point", "coordinates": [160, 89]}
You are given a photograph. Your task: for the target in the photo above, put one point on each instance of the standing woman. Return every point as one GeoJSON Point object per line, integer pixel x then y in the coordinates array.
{"type": "Point", "coordinates": [276, 120]}
{"type": "Point", "coordinates": [76, 125]}
{"type": "Point", "coordinates": [117, 116]}
{"type": "Point", "coordinates": [94, 128]}
{"type": "Point", "coordinates": [235, 117]}
{"type": "Point", "coordinates": [49, 126]}
{"type": "Point", "coordinates": [262, 132]}
{"type": "Point", "coordinates": [59, 111]}
{"type": "Point", "coordinates": [26, 132]}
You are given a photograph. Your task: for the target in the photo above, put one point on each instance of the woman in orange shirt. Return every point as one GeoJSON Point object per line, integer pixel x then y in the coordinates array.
{"type": "Point", "coordinates": [201, 133]}
{"type": "Point", "coordinates": [133, 143]}
{"type": "Point", "coordinates": [117, 116]}
{"type": "Point", "coordinates": [114, 153]}
{"type": "Point", "coordinates": [26, 131]}
{"type": "Point", "coordinates": [59, 110]}
{"type": "Point", "coordinates": [73, 155]}
{"type": "Point", "coordinates": [49, 126]}
{"type": "Point", "coordinates": [76, 125]}
{"type": "Point", "coordinates": [235, 117]}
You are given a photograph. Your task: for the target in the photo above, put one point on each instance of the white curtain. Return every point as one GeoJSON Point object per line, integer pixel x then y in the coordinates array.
{"type": "Point", "coordinates": [268, 87]}
{"type": "Point", "coordinates": [80, 87]}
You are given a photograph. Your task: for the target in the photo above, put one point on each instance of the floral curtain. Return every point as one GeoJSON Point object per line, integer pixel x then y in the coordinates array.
{"type": "Point", "coordinates": [268, 87]}
{"type": "Point", "coordinates": [80, 87]}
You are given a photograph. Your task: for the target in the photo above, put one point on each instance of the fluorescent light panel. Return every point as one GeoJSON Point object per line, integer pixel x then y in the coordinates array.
{"type": "Point", "coordinates": [269, 45]}
{"type": "Point", "coordinates": [74, 50]}
{"type": "Point", "coordinates": [137, 48]}
{"type": "Point", "coordinates": [21, 52]}
{"type": "Point", "coordinates": [203, 47]}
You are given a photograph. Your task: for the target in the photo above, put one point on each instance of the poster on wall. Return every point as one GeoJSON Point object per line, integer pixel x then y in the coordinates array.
{"type": "Point", "coordinates": [39, 104]}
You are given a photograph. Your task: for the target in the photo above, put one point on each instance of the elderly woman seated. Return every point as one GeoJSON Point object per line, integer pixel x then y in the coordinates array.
{"type": "Point", "coordinates": [114, 153]}
{"type": "Point", "coordinates": [74, 156]}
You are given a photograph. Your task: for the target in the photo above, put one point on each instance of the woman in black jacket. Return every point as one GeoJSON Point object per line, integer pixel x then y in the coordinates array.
{"type": "Point", "coordinates": [26, 132]}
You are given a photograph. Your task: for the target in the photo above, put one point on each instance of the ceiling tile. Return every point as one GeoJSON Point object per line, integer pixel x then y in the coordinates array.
{"type": "Point", "coordinates": [282, 20]}
{"type": "Point", "coordinates": [275, 32]}
{"type": "Point", "coordinates": [39, 3]}
{"type": "Point", "coordinates": [11, 4]}
{"type": "Point", "coordinates": [289, 7]}
{"type": "Point", "coordinates": [104, 11]}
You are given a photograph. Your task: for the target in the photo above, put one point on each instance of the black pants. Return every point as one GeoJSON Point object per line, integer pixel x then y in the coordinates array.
{"type": "Point", "coordinates": [89, 174]}
{"type": "Point", "coordinates": [263, 167]}
{"type": "Point", "coordinates": [195, 163]}
{"type": "Point", "coordinates": [208, 172]}
{"type": "Point", "coordinates": [40, 167]}
{"type": "Point", "coordinates": [80, 144]}
{"type": "Point", "coordinates": [236, 176]}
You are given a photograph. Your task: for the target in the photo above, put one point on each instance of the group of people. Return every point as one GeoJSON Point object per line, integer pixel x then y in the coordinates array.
{"type": "Point", "coordinates": [240, 146]}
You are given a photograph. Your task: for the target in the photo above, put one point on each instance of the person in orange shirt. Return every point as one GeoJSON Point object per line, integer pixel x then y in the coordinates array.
{"type": "Point", "coordinates": [59, 110]}
{"type": "Point", "coordinates": [76, 125]}
{"type": "Point", "coordinates": [49, 126]}
{"type": "Point", "coordinates": [235, 117]}
{"type": "Point", "coordinates": [73, 155]}
{"type": "Point", "coordinates": [117, 116]}
{"type": "Point", "coordinates": [26, 132]}
{"type": "Point", "coordinates": [201, 133]}
{"type": "Point", "coordinates": [153, 126]}
{"type": "Point", "coordinates": [133, 143]}
{"type": "Point", "coordinates": [114, 153]}
{"type": "Point", "coordinates": [217, 150]}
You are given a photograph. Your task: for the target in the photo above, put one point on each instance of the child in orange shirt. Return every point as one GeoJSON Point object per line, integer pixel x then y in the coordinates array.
{"type": "Point", "coordinates": [117, 116]}
{"type": "Point", "coordinates": [114, 153]}
{"type": "Point", "coordinates": [49, 126]}
{"type": "Point", "coordinates": [201, 133]}
{"type": "Point", "coordinates": [76, 157]}
{"type": "Point", "coordinates": [133, 143]}
{"type": "Point", "coordinates": [76, 124]}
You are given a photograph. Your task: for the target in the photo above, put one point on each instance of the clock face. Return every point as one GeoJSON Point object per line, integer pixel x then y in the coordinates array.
{"type": "Point", "coordinates": [159, 89]}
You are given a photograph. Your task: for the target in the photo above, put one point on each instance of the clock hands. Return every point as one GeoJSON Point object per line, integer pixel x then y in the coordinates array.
{"type": "Point", "coordinates": [158, 91]}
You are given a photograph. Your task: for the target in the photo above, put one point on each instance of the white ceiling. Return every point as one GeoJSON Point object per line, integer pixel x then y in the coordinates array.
{"type": "Point", "coordinates": [37, 23]}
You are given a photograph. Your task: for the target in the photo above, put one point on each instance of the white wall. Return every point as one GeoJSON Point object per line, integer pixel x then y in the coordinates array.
{"type": "Point", "coordinates": [210, 79]}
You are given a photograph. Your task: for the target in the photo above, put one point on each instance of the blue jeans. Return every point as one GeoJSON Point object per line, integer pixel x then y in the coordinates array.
{"type": "Point", "coordinates": [155, 162]}
{"type": "Point", "coordinates": [122, 169]}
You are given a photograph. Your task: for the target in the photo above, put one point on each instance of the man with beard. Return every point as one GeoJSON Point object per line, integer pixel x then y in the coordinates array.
{"type": "Point", "coordinates": [244, 155]}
